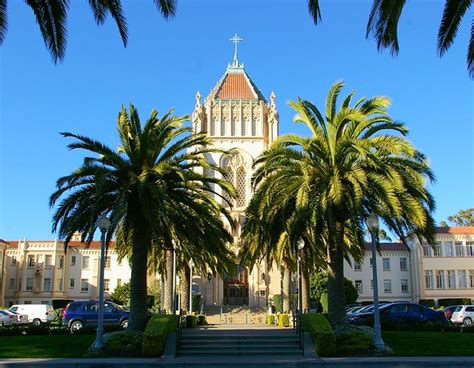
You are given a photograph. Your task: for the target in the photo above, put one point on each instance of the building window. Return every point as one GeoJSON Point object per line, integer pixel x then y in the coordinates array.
{"type": "Point", "coordinates": [387, 286]}
{"type": "Point", "coordinates": [27, 301]}
{"type": "Point", "coordinates": [439, 279]}
{"type": "Point", "coordinates": [459, 249]}
{"type": "Point", "coordinates": [61, 261]}
{"type": "Point", "coordinates": [45, 302]}
{"type": "Point", "coordinates": [107, 262]}
{"type": "Point", "coordinates": [403, 264]}
{"type": "Point", "coordinates": [471, 278]}
{"type": "Point", "coordinates": [451, 279]}
{"type": "Point", "coordinates": [437, 249]}
{"type": "Point", "coordinates": [13, 261]}
{"type": "Point", "coordinates": [73, 260]}
{"type": "Point", "coordinates": [84, 285]}
{"type": "Point", "coordinates": [263, 293]}
{"type": "Point", "coordinates": [429, 279]}
{"type": "Point", "coordinates": [85, 262]}
{"type": "Point", "coordinates": [48, 260]}
{"type": "Point", "coordinates": [31, 261]}
{"type": "Point", "coordinates": [426, 250]}
{"type": "Point", "coordinates": [357, 266]}
{"type": "Point", "coordinates": [358, 286]}
{"type": "Point", "coordinates": [119, 282]}
{"type": "Point", "coordinates": [19, 283]}
{"type": "Point", "coordinates": [47, 284]}
{"type": "Point", "coordinates": [386, 264]}
{"type": "Point", "coordinates": [448, 249]}
{"type": "Point", "coordinates": [11, 285]}
{"type": "Point", "coordinates": [404, 284]}
{"type": "Point", "coordinates": [71, 283]}
{"type": "Point", "coordinates": [234, 168]}
{"type": "Point", "coordinates": [60, 284]}
{"type": "Point", "coordinates": [106, 284]}
{"type": "Point", "coordinates": [29, 284]}
{"type": "Point", "coordinates": [462, 281]}
{"type": "Point", "coordinates": [470, 248]}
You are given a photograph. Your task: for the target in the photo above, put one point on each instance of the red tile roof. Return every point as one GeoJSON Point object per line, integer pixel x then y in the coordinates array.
{"type": "Point", "coordinates": [235, 86]}
{"type": "Point", "coordinates": [455, 230]}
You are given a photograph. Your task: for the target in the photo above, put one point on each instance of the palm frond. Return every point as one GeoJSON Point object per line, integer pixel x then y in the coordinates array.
{"type": "Point", "coordinates": [314, 10]}
{"type": "Point", "coordinates": [453, 13]}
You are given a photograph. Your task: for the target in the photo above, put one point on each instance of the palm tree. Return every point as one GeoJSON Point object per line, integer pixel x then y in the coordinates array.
{"type": "Point", "coordinates": [51, 16]}
{"type": "Point", "coordinates": [149, 188]}
{"type": "Point", "coordinates": [350, 165]}
{"type": "Point", "coordinates": [383, 24]}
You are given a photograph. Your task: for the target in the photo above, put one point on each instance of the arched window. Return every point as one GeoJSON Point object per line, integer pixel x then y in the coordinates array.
{"type": "Point", "coordinates": [234, 167]}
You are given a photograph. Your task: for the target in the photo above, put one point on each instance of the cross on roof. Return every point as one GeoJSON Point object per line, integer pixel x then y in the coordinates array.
{"type": "Point", "coordinates": [236, 39]}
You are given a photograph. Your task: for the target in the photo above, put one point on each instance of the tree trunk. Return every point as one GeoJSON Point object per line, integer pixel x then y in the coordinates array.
{"type": "Point", "coordinates": [184, 285]}
{"type": "Point", "coordinates": [168, 289]}
{"type": "Point", "coordinates": [336, 298]}
{"type": "Point", "coordinates": [286, 287]}
{"type": "Point", "coordinates": [138, 281]}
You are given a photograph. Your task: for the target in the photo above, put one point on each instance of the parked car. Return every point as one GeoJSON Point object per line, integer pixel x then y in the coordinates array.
{"type": "Point", "coordinates": [80, 314]}
{"type": "Point", "coordinates": [463, 314]}
{"type": "Point", "coordinates": [37, 313]}
{"type": "Point", "coordinates": [5, 319]}
{"type": "Point", "coordinates": [448, 311]}
{"type": "Point", "coordinates": [15, 318]}
{"type": "Point", "coordinates": [401, 314]}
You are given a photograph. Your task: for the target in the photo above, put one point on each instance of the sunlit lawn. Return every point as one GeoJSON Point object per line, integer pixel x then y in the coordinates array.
{"type": "Point", "coordinates": [412, 343]}
{"type": "Point", "coordinates": [45, 346]}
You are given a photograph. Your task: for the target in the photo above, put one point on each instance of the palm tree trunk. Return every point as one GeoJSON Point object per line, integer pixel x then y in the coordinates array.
{"type": "Point", "coordinates": [336, 298]}
{"type": "Point", "coordinates": [138, 281]}
{"type": "Point", "coordinates": [286, 287]}
{"type": "Point", "coordinates": [168, 289]}
{"type": "Point", "coordinates": [184, 285]}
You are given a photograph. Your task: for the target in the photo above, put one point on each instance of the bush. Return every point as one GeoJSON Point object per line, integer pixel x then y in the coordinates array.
{"type": "Point", "coordinates": [121, 294]}
{"type": "Point", "coordinates": [454, 301]}
{"type": "Point", "coordinates": [320, 329]}
{"type": "Point", "coordinates": [277, 303]}
{"type": "Point", "coordinates": [283, 320]}
{"type": "Point", "coordinates": [123, 343]}
{"type": "Point", "coordinates": [324, 302]}
{"type": "Point", "coordinates": [319, 286]}
{"type": "Point", "coordinates": [427, 302]}
{"type": "Point", "coordinates": [57, 316]}
{"type": "Point", "coordinates": [156, 331]}
{"type": "Point", "coordinates": [354, 343]}
{"type": "Point", "coordinates": [191, 321]}
{"type": "Point", "coordinates": [270, 319]}
{"type": "Point", "coordinates": [201, 320]}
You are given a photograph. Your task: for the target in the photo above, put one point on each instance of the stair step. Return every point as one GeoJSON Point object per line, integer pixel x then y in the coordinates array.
{"type": "Point", "coordinates": [238, 352]}
{"type": "Point", "coordinates": [240, 347]}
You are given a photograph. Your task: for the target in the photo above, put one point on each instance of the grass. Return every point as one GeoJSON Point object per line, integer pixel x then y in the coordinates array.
{"type": "Point", "coordinates": [413, 343]}
{"type": "Point", "coordinates": [54, 346]}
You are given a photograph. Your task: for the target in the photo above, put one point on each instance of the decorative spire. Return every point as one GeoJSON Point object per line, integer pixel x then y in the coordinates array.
{"type": "Point", "coordinates": [236, 39]}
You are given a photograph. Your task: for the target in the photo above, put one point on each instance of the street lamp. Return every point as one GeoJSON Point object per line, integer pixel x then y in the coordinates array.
{"type": "Point", "coordinates": [173, 303]}
{"type": "Point", "coordinates": [104, 224]}
{"type": "Point", "coordinates": [300, 295]}
{"type": "Point", "coordinates": [373, 225]}
{"type": "Point", "coordinates": [191, 265]}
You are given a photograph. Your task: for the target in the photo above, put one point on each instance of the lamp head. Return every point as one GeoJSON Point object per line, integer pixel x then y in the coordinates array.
{"type": "Point", "coordinates": [191, 263]}
{"type": "Point", "coordinates": [104, 223]}
{"type": "Point", "coordinates": [300, 244]}
{"type": "Point", "coordinates": [372, 221]}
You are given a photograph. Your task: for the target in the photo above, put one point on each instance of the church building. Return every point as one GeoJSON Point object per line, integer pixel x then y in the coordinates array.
{"type": "Point", "coordinates": [238, 119]}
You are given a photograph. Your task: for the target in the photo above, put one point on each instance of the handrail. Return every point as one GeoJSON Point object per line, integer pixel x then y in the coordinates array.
{"type": "Point", "coordinates": [298, 326]}
{"type": "Point", "coordinates": [179, 328]}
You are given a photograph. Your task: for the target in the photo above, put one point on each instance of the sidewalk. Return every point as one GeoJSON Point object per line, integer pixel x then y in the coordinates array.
{"type": "Point", "coordinates": [260, 362]}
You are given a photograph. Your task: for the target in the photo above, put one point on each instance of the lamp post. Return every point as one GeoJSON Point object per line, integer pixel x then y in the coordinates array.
{"type": "Point", "coordinates": [173, 303]}
{"type": "Point", "coordinates": [373, 225]}
{"type": "Point", "coordinates": [191, 265]}
{"type": "Point", "coordinates": [300, 283]}
{"type": "Point", "coordinates": [104, 224]}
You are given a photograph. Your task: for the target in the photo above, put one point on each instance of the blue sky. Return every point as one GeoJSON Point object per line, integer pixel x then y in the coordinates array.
{"type": "Point", "coordinates": [166, 62]}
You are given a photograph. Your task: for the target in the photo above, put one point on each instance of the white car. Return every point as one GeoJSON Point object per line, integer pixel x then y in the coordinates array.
{"type": "Point", "coordinates": [5, 319]}
{"type": "Point", "coordinates": [16, 318]}
{"type": "Point", "coordinates": [37, 313]}
{"type": "Point", "coordinates": [463, 314]}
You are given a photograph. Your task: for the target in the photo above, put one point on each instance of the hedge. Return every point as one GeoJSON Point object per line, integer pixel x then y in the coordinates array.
{"type": "Point", "coordinates": [156, 332]}
{"type": "Point", "coordinates": [427, 302]}
{"type": "Point", "coordinates": [454, 301]}
{"type": "Point", "coordinates": [270, 319]}
{"type": "Point", "coordinates": [320, 329]}
{"type": "Point", "coordinates": [191, 321]}
{"type": "Point", "coordinates": [283, 320]}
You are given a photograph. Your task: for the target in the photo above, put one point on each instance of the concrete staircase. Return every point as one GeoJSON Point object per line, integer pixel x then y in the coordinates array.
{"type": "Point", "coordinates": [239, 342]}
{"type": "Point", "coordinates": [234, 315]}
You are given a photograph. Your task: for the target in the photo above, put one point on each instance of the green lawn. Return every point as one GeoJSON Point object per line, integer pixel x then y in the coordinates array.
{"type": "Point", "coordinates": [412, 343]}
{"type": "Point", "coordinates": [55, 346]}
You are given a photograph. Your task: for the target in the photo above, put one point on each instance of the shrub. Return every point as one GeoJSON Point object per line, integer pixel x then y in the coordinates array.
{"type": "Point", "coordinates": [320, 329]}
{"type": "Point", "coordinates": [123, 343]}
{"type": "Point", "coordinates": [319, 286]}
{"type": "Point", "coordinates": [57, 316]}
{"type": "Point", "coordinates": [454, 301]}
{"type": "Point", "coordinates": [270, 319]}
{"type": "Point", "coordinates": [427, 302]}
{"type": "Point", "coordinates": [11, 330]}
{"type": "Point", "coordinates": [283, 320]}
{"type": "Point", "coordinates": [201, 320]}
{"type": "Point", "coordinates": [191, 321]}
{"type": "Point", "coordinates": [156, 331]}
{"type": "Point", "coordinates": [354, 343]}
{"type": "Point", "coordinates": [324, 302]}
{"type": "Point", "coordinates": [121, 294]}
{"type": "Point", "coordinates": [277, 303]}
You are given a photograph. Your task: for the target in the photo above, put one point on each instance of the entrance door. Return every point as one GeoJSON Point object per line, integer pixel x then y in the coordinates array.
{"type": "Point", "coordinates": [236, 287]}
